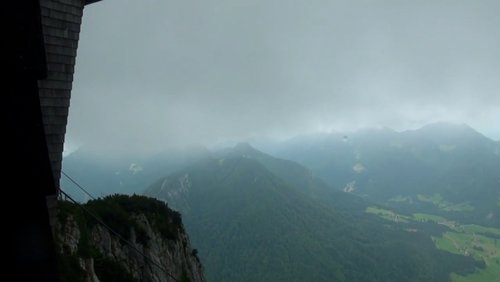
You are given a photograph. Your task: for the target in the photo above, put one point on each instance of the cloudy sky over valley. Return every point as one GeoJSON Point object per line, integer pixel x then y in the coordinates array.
{"type": "Point", "coordinates": [154, 73]}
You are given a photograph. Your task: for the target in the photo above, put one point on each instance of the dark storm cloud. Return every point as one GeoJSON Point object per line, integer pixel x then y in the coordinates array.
{"type": "Point", "coordinates": [154, 73]}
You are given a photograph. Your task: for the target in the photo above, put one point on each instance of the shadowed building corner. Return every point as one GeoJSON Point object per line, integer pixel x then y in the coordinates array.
{"type": "Point", "coordinates": [39, 46]}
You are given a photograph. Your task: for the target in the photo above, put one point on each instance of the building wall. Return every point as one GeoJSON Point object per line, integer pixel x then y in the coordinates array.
{"type": "Point", "coordinates": [61, 20]}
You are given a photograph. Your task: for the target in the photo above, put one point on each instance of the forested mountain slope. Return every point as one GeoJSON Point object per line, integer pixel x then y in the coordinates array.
{"type": "Point", "coordinates": [254, 218]}
{"type": "Point", "coordinates": [442, 168]}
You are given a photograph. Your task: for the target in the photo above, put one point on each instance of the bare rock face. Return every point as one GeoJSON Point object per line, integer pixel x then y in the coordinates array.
{"type": "Point", "coordinates": [145, 253]}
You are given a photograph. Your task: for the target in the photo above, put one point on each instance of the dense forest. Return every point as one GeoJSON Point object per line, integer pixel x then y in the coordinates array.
{"type": "Point", "coordinates": [252, 225]}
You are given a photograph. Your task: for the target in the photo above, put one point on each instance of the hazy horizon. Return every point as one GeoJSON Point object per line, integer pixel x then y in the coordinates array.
{"type": "Point", "coordinates": [260, 142]}
{"type": "Point", "coordinates": [153, 74]}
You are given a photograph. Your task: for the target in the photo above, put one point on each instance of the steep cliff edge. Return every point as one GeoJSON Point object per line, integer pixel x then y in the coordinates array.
{"type": "Point", "coordinates": [141, 240]}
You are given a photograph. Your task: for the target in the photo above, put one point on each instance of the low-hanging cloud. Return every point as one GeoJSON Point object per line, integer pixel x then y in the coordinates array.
{"type": "Point", "coordinates": [153, 73]}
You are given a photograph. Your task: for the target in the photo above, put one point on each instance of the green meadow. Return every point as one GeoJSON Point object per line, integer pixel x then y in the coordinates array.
{"type": "Point", "coordinates": [480, 242]}
{"type": "Point", "coordinates": [438, 201]}
{"type": "Point", "coordinates": [388, 214]}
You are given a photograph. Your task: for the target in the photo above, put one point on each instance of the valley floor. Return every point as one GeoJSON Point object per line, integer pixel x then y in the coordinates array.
{"type": "Point", "coordinates": [482, 243]}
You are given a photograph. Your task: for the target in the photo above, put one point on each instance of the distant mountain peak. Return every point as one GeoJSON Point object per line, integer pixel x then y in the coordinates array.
{"type": "Point", "coordinates": [245, 148]}
{"type": "Point", "coordinates": [243, 145]}
{"type": "Point", "coordinates": [447, 130]}
{"type": "Point", "coordinates": [446, 124]}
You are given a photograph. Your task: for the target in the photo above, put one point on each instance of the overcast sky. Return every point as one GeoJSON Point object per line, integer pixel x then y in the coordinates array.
{"type": "Point", "coordinates": [152, 73]}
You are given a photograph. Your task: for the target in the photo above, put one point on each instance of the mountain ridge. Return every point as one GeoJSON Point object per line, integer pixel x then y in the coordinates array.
{"type": "Point", "coordinates": [453, 161]}
{"type": "Point", "coordinates": [252, 225]}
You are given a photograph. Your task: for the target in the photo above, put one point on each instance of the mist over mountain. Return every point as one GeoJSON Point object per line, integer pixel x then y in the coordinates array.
{"type": "Point", "coordinates": [184, 71]}
{"type": "Point", "coordinates": [103, 175]}
{"type": "Point", "coordinates": [441, 160]}
{"type": "Point", "coordinates": [343, 205]}
{"type": "Point", "coordinates": [450, 160]}
{"type": "Point", "coordinates": [372, 201]}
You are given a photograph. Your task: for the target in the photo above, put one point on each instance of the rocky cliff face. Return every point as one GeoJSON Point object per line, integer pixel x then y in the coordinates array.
{"type": "Point", "coordinates": [153, 244]}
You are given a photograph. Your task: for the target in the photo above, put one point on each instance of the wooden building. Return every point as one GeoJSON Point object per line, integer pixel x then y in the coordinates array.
{"type": "Point", "coordinates": [39, 48]}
